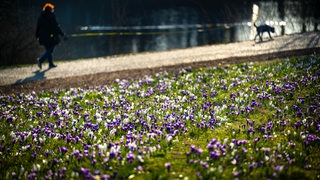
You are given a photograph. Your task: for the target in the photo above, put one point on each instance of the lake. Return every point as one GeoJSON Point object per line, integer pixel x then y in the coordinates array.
{"type": "Point", "coordinates": [166, 27]}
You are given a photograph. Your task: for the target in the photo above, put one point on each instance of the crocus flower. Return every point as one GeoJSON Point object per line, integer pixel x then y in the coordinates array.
{"type": "Point", "coordinates": [167, 166]}
{"type": "Point", "coordinates": [193, 148]}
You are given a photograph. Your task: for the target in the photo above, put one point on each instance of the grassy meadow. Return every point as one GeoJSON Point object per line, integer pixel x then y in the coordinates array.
{"type": "Point", "coordinates": [246, 121]}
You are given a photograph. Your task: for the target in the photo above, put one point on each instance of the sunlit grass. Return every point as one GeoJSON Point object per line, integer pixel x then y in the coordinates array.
{"type": "Point", "coordinates": [251, 120]}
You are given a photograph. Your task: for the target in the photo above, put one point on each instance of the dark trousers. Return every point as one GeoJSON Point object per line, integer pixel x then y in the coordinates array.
{"type": "Point", "coordinates": [48, 55]}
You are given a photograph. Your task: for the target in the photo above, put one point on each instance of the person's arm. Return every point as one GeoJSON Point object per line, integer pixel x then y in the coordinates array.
{"type": "Point", "coordinates": [55, 26]}
{"type": "Point", "coordinates": [58, 28]}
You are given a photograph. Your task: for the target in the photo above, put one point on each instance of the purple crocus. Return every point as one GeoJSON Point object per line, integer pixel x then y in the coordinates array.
{"type": "Point", "coordinates": [130, 157]}
{"type": "Point", "coordinates": [250, 129]}
{"type": "Point", "coordinates": [54, 161]}
{"type": "Point", "coordinates": [168, 166]}
{"type": "Point", "coordinates": [63, 150]}
{"type": "Point", "coordinates": [139, 168]}
{"type": "Point", "coordinates": [214, 155]}
{"type": "Point", "coordinates": [199, 151]}
{"type": "Point", "coordinates": [85, 172]}
{"type": "Point", "coordinates": [255, 140]}
{"type": "Point", "coordinates": [193, 148]}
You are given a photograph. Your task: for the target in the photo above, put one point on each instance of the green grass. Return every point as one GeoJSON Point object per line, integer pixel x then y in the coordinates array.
{"type": "Point", "coordinates": [247, 121]}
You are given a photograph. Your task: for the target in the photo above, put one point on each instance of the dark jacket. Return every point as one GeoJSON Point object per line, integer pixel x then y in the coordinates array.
{"type": "Point", "coordinates": [48, 29]}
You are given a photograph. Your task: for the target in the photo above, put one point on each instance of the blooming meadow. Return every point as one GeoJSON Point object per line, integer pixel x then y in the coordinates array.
{"type": "Point", "coordinates": [252, 120]}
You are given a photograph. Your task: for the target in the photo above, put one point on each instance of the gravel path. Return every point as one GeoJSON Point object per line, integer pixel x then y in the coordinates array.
{"type": "Point", "coordinates": [13, 77]}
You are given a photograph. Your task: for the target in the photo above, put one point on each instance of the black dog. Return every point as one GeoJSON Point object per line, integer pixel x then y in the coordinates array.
{"type": "Point", "coordinates": [261, 29]}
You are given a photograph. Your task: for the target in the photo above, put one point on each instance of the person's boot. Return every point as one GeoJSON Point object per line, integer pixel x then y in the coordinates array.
{"type": "Point", "coordinates": [52, 66]}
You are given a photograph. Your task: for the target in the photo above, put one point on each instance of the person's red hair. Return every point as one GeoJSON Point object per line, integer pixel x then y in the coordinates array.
{"type": "Point", "coordinates": [48, 5]}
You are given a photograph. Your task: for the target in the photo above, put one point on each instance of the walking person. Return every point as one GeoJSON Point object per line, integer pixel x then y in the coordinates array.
{"type": "Point", "coordinates": [48, 33]}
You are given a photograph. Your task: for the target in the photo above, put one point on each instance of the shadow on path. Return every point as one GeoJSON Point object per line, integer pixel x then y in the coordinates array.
{"type": "Point", "coordinates": [38, 75]}
{"type": "Point", "coordinates": [265, 41]}
{"type": "Point", "coordinates": [314, 41]}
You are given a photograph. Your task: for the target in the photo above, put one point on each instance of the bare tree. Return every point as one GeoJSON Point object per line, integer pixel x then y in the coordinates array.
{"type": "Point", "coordinates": [17, 40]}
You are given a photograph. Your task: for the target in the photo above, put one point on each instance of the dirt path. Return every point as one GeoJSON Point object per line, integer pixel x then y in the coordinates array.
{"type": "Point", "coordinates": [99, 71]}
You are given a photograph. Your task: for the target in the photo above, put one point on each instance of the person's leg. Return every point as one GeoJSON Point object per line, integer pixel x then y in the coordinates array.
{"type": "Point", "coordinates": [47, 55]}
{"type": "Point", "coordinates": [50, 56]}
{"type": "Point", "coordinates": [43, 58]}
